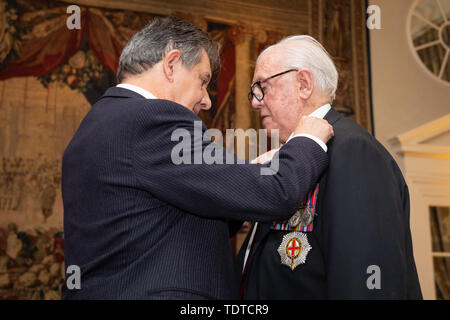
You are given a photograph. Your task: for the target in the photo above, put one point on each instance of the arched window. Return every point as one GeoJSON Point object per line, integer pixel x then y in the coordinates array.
{"type": "Point", "coordinates": [429, 36]}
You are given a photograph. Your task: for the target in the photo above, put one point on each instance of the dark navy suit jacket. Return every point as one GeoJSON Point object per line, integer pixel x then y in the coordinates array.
{"type": "Point", "coordinates": [141, 227]}
{"type": "Point", "coordinates": [362, 221]}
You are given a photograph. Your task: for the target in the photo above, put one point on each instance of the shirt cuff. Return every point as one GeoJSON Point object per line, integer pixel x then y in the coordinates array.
{"type": "Point", "coordinates": [320, 142]}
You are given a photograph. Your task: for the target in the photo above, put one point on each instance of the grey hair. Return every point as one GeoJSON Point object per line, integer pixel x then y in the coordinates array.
{"type": "Point", "coordinates": [302, 51]}
{"type": "Point", "coordinates": [150, 45]}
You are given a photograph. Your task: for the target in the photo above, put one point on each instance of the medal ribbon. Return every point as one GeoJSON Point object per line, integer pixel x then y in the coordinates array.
{"type": "Point", "coordinates": [308, 203]}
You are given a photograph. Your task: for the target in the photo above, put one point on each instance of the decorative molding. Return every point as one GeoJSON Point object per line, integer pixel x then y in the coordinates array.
{"type": "Point", "coordinates": [436, 152]}
{"type": "Point", "coordinates": [428, 178]}
{"type": "Point", "coordinates": [277, 16]}
{"type": "Point", "coordinates": [413, 142]}
{"type": "Point", "coordinates": [426, 131]}
{"type": "Point", "coordinates": [427, 172]}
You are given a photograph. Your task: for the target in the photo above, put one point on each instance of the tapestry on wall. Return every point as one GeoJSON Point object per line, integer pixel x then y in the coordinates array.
{"type": "Point", "coordinates": [36, 42]}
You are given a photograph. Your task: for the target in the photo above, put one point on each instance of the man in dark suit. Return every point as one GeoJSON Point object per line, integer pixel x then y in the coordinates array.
{"type": "Point", "coordinates": [142, 225]}
{"type": "Point", "coordinates": [350, 238]}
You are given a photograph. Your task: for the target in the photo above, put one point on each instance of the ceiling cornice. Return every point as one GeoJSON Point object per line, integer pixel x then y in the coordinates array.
{"type": "Point", "coordinates": [273, 17]}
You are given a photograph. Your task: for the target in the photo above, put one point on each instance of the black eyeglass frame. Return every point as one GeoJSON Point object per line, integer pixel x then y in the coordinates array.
{"type": "Point", "coordinates": [258, 83]}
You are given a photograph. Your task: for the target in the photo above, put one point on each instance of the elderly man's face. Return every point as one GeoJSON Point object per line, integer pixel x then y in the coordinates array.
{"type": "Point", "coordinates": [192, 84]}
{"type": "Point", "coordinates": [281, 107]}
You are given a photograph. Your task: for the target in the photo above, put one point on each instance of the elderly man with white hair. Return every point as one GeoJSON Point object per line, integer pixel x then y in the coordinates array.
{"type": "Point", "coordinates": [350, 237]}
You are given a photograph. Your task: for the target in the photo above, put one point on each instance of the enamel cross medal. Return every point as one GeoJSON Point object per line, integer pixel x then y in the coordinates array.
{"type": "Point", "coordinates": [293, 249]}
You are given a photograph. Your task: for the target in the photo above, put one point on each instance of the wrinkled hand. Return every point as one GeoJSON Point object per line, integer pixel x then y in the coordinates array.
{"type": "Point", "coordinates": [319, 128]}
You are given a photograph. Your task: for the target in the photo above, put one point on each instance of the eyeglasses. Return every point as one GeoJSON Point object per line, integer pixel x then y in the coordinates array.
{"type": "Point", "coordinates": [257, 91]}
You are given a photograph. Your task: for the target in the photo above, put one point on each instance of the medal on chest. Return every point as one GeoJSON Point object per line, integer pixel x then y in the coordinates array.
{"type": "Point", "coordinates": [303, 218]}
{"type": "Point", "coordinates": [293, 249]}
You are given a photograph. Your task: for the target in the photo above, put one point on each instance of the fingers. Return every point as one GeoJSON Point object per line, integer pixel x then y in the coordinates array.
{"type": "Point", "coordinates": [319, 128]}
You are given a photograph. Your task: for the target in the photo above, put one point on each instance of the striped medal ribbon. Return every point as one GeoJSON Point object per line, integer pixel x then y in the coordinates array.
{"type": "Point", "coordinates": [303, 218]}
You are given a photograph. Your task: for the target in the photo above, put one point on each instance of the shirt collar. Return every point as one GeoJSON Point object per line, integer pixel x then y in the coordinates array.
{"type": "Point", "coordinates": [146, 94]}
{"type": "Point", "coordinates": [321, 112]}
{"type": "Point", "coordinates": [318, 113]}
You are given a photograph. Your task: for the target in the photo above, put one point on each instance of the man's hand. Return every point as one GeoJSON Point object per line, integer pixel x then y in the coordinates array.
{"type": "Point", "coordinates": [316, 127]}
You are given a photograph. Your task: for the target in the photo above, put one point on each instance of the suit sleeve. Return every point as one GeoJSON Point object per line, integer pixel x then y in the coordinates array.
{"type": "Point", "coordinates": [366, 227]}
{"type": "Point", "coordinates": [230, 191]}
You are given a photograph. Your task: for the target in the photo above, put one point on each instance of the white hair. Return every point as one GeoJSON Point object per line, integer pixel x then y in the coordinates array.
{"type": "Point", "coordinates": [302, 51]}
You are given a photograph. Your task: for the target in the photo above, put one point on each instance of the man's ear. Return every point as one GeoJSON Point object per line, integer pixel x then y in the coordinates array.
{"type": "Point", "coordinates": [169, 62]}
{"type": "Point", "coordinates": [305, 81]}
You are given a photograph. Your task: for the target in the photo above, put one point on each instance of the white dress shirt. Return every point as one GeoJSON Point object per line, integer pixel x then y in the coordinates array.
{"type": "Point", "coordinates": [146, 94]}
{"type": "Point", "coordinates": [318, 113]}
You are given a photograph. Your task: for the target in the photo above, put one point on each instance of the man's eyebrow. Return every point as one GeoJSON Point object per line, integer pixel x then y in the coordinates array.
{"type": "Point", "coordinates": [259, 78]}
{"type": "Point", "coordinates": [255, 80]}
{"type": "Point", "coordinates": [207, 75]}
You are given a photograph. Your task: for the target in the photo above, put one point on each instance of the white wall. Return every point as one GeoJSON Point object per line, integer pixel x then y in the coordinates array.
{"type": "Point", "coordinates": [404, 95]}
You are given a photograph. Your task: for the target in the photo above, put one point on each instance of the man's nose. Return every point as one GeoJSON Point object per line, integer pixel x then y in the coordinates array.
{"type": "Point", "coordinates": [206, 102]}
{"type": "Point", "coordinates": [256, 104]}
